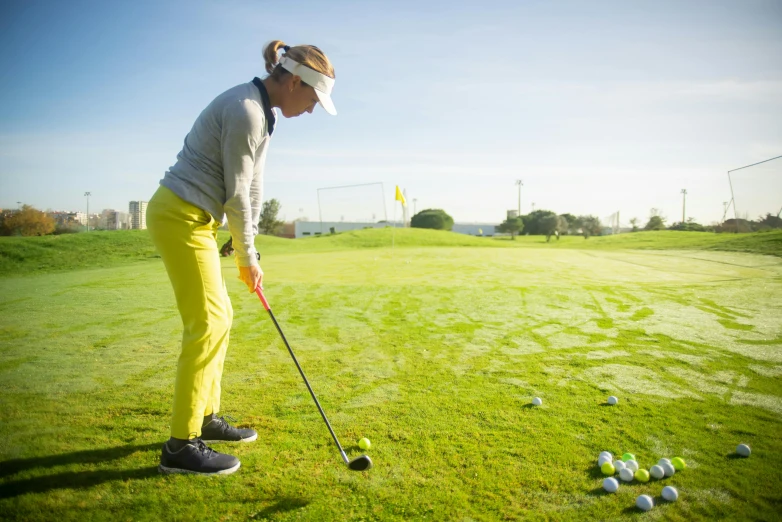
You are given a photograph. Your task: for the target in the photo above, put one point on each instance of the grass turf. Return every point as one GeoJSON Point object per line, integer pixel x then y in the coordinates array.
{"type": "Point", "coordinates": [432, 353]}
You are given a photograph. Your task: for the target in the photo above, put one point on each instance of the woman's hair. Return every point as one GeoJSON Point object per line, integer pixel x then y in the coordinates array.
{"type": "Point", "coordinates": [308, 55]}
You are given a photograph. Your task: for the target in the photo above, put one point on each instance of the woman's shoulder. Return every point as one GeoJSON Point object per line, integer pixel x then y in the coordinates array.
{"type": "Point", "coordinates": [241, 105]}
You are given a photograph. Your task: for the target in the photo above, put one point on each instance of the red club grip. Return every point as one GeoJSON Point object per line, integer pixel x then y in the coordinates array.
{"type": "Point", "coordinates": [259, 291]}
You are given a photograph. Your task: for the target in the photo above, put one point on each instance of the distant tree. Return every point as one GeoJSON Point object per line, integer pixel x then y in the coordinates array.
{"type": "Point", "coordinates": [27, 222]}
{"type": "Point", "coordinates": [433, 218]}
{"type": "Point", "coordinates": [769, 221]}
{"type": "Point", "coordinates": [571, 223]}
{"type": "Point", "coordinates": [553, 225]}
{"type": "Point", "coordinates": [634, 222]}
{"type": "Point", "coordinates": [689, 226]}
{"type": "Point", "coordinates": [655, 223]}
{"type": "Point", "coordinates": [511, 226]}
{"type": "Point", "coordinates": [533, 221]}
{"type": "Point", "coordinates": [590, 226]}
{"type": "Point", "coordinates": [269, 224]}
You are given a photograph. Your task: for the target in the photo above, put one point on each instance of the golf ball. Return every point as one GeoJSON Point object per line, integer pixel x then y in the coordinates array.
{"type": "Point", "coordinates": [607, 468]}
{"type": "Point", "coordinates": [743, 450]}
{"type": "Point", "coordinates": [657, 472]}
{"type": "Point", "coordinates": [670, 494]}
{"type": "Point", "coordinates": [668, 469]}
{"type": "Point", "coordinates": [642, 475]}
{"type": "Point", "coordinates": [612, 400]}
{"type": "Point", "coordinates": [364, 444]}
{"type": "Point", "coordinates": [537, 401]}
{"type": "Point", "coordinates": [678, 463]}
{"type": "Point", "coordinates": [626, 475]}
{"type": "Point", "coordinates": [619, 465]}
{"type": "Point", "coordinates": [602, 460]}
{"type": "Point", "coordinates": [644, 502]}
{"type": "Point", "coordinates": [605, 454]}
{"type": "Point", "coordinates": [628, 456]}
{"type": "Point", "coordinates": [660, 462]}
{"type": "Point", "coordinates": [631, 465]}
{"type": "Point", "coordinates": [610, 484]}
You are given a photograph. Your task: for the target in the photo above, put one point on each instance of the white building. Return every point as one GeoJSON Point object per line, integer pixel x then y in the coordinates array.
{"type": "Point", "coordinates": [138, 215]}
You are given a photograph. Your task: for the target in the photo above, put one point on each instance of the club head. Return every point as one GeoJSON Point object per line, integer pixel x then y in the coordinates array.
{"type": "Point", "coordinates": [361, 463]}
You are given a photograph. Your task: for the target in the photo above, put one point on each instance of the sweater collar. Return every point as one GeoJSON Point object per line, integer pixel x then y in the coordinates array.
{"type": "Point", "coordinates": [271, 117]}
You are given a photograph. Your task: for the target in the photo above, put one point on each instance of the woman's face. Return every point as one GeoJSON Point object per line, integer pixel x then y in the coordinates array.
{"type": "Point", "coordinates": [298, 97]}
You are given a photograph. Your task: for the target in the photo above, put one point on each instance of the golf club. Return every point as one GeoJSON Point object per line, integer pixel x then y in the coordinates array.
{"type": "Point", "coordinates": [361, 463]}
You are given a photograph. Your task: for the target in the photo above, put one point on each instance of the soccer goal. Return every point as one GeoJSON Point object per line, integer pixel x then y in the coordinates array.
{"type": "Point", "coordinates": [755, 191]}
{"type": "Point", "coordinates": [362, 203]}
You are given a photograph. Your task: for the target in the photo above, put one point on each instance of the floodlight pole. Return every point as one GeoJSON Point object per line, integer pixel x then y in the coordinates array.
{"type": "Point", "coordinates": [519, 183]}
{"type": "Point", "coordinates": [87, 195]}
{"type": "Point", "coordinates": [684, 204]}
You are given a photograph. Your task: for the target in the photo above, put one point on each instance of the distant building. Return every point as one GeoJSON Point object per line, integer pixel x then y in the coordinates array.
{"type": "Point", "coordinates": [316, 228]}
{"type": "Point", "coordinates": [65, 218]}
{"type": "Point", "coordinates": [138, 215]}
{"type": "Point", "coordinates": [113, 220]}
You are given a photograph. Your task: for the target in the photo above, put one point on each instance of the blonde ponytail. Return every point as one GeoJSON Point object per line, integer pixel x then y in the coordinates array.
{"type": "Point", "coordinates": [308, 55]}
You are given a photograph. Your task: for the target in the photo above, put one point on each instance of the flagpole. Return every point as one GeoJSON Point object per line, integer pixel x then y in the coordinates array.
{"type": "Point", "coordinates": [393, 233]}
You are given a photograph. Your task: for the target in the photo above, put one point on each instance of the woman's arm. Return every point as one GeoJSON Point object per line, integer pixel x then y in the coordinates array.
{"type": "Point", "coordinates": [241, 133]}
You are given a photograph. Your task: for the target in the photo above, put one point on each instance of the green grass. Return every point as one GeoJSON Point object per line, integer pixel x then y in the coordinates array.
{"type": "Point", "coordinates": [432, 352]}
{"type": "Point", "coordinates": [31, 255]}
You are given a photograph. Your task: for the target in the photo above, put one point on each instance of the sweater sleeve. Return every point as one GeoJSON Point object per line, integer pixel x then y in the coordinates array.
{"type": "Point", "coordinates": [242, 131]}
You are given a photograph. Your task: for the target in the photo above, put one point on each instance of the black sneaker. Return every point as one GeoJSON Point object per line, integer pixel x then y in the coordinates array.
{"type": "Point", "coordinates": [197, 458]}
{"type": "Point", "coordinates": [218, 430]}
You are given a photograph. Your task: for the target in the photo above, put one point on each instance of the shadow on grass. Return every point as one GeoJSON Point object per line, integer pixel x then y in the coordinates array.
{"type": "Point", "coordinates": [72, 479]}
{"type": "Point", "coordinates": [594, 472]}
{"type": "Point", "coordinates": [281, 506]}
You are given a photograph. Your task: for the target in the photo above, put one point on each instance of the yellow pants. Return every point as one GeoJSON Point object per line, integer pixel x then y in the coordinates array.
{"type": "Point", "coordinates": [186, 238]}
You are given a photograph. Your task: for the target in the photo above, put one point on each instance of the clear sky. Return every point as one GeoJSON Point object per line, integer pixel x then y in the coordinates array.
{"type": "Point", "coordinates": [598, 107]}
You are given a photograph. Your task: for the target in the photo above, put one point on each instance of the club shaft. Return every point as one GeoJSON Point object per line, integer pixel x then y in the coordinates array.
{"type": "Point", "coordinates": [322, 413]}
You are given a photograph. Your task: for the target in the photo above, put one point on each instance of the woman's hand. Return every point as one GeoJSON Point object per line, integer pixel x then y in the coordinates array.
{"type": "Point", "coordinates": [252, 276]}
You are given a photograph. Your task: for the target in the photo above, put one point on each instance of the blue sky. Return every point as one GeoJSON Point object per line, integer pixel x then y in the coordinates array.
{"type": "Point", "coordinates": [598, 106]}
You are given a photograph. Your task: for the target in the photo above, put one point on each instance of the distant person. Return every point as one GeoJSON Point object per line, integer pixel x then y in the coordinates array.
{"type": "Point", "coordinates": [220, 172]}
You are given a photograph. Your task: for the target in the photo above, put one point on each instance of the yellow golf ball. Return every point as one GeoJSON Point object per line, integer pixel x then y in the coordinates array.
{"type": "Point", "coordinates": [642, 475]}
{"type": "Point", "coordinates": [678, 463]}
{"type": "Point", "coordinates": [364, 444]}
{"type": "Point", "coordinates": [607, 468]}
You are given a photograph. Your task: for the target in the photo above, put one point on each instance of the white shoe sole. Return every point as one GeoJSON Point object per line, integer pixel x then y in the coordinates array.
{"type": "Point", "coordinates": [167, 471]}
{"type": "Point", "coordinates": [248, 439]}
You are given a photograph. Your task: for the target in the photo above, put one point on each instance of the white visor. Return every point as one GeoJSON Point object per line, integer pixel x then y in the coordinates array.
{"type": "Point", "coordinates": [322, 84]}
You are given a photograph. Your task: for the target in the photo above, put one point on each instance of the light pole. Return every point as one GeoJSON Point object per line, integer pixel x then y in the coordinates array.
{"type": "Point", "coordinates": [19, 203]}
{"type": "Point", "coordinates": [415, 200]}
{"type": "Point", "coordinates": [684, 203]}
{"type": "Point", "coordinates": [519, 184]}
{"type": "Point", "coordinates": [87, 195]}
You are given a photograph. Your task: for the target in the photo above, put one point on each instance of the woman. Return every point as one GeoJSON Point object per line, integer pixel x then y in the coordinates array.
{"type": "Point", "coordinates": [220, 172]}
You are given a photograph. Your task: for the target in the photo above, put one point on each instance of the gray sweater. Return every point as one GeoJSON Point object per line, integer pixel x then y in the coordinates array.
{"type": "Point", "coordinates": [220, 167]}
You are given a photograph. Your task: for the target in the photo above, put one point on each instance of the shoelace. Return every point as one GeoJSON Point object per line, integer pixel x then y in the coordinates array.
{"type": "Point", "coordinates": [203, 448]}
{"type": "Point", "coordinates": [224, 423]}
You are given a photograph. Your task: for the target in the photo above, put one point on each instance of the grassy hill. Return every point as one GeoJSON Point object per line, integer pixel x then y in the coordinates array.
{"type": "Point", "coordinates": [20, 255]}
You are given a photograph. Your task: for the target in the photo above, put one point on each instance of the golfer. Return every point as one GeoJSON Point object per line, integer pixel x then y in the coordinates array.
{"type": "Point", "coordinates": [219, 172]}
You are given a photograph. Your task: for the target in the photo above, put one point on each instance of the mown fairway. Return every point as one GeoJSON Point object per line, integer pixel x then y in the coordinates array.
{"type": "Point", "coordinates": [433, 353]}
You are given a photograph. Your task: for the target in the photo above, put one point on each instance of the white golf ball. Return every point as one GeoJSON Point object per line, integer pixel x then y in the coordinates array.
{"type": "Point", "coordinates": [602, 460]}
{"type": "Point", "coordinates": [606, 454]}
{"type": "Point", "coordinates": [743, 450]}
{"type": "Point", "coordinates": [619, 465]}
{"type": "Point", "coordinates": [644, 502]}
{"type": "Point", "coordinates": [610, 484]}
{"type": "Point", "coordinates": [668, 469]}
{"type": "Point", "coordinates": [631, 464]}
{"type": "Point", "coordinates": [657, 472]}
{"type": "Point", "coordinates": [537, 401]}
{"type": "Point", "coordinates": [612, 400]}
{"type": "Point", "coordinates": [626, 474]}
{"type": "Point", "coordinates": [670, 494]}
{"type": "Point", "coordinates": [660, 462]}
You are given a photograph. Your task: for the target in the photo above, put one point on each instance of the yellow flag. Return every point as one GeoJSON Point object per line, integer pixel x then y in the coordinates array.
{"type": "Point", "coordinates": [400, 196]}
